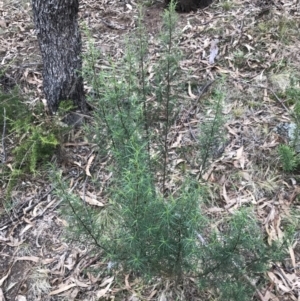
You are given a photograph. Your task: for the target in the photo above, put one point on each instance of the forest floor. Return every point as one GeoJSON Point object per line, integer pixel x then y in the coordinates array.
{"type": "Point", "coordinates": [258, 55]}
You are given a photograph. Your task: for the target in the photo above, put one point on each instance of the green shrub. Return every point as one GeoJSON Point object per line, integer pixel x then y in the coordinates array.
{"type": "Point", "coordinates": [36, 148]}
{"type": "Point", "coordinates": [149, 227]}
{"type": "Point", "coordinates": [288, 158]}
{"type": "Point", "coordinates": [234, 257]}
{"type": "Point", "coordinates": [12, 108]}
{"type": "Point", "coordinates": [34, 135]}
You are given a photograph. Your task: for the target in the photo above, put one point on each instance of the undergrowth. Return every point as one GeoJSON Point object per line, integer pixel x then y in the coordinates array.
{"type": "Point", "coordinates": [35, 139]}
{"type": "Point", "coordinates": [154, 222]}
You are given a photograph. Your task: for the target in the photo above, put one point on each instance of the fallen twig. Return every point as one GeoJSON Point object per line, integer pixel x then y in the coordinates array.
{"type": "Point", "coordinates": [276, 97]}
{"type": "Point", "coordinates": [3, 136]}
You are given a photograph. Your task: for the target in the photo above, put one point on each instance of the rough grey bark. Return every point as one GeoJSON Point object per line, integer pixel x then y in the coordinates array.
{"type": "Point", "coordinates": [188, 5]}
{"type": "Point", "coordinates": [60, 44]}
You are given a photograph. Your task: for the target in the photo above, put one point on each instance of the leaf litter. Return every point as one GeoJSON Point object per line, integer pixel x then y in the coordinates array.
{"type": "Point", "coordinates": [245, 44]}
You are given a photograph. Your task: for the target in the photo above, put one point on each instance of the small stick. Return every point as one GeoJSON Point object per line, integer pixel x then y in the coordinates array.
{"type": "Point", "coordinates": [277, 98]}
{"type": "Point", "coordinates": [3, 135]}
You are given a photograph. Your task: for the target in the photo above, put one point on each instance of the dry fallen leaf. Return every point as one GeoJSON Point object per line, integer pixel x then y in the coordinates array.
{"type": "Point", "coordinates": [92, 201]}
{"type": "Point", "coordinates": [1, 295]}
{"type": "Point", "coordinates": [3, 23]}
{"type": "Point", "coordinates": [15, 242]}
{"type": "Point", "coordinates": [102, 292]}
{"type": "Point", "coordinates": [133, 298]}
{"type": "Point", "coordinates": [162, 297]}
{"type": "Point", "coordinates": [127, 285]}
{"type": "Point", "coordinates": [62, 288]}
{"type": "Point", "coordinates": [89, 163]}
{"type": "Point", "coordinates": [4, 277]}
{"type": "Point", "coordinates": [224, 194]}
{"type": "Point", "coordinates": [270, 296]}
{"type": "Point", "coordinates": [193, 96]}
{"type": "Point", "coordinates": [213, 51]}
{"type": "Point", "coordinates": [292, 254]}
{"type": "Point", "coordinates": [29, 258]}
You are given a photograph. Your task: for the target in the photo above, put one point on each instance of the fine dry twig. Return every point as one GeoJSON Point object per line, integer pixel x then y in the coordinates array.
{"type": "Point", "coordinates": [275, 95]}
{"type": "Point", "coordinates": [3, 136]}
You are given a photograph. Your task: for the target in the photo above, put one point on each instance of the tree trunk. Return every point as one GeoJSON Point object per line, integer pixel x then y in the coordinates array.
{"type": "Point", "coordinates": [60, 44]}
